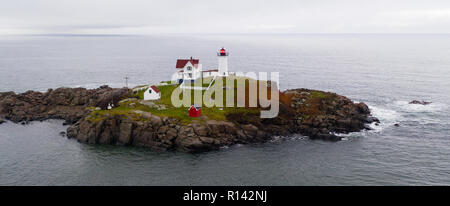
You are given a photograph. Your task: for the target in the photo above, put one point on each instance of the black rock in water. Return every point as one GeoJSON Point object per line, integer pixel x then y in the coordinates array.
{"type": "Point", "coordinates": [419, 102]}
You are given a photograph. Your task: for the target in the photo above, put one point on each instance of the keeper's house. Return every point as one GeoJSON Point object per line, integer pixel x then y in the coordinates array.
{"type": "Point", "coordinates": [188, 70]}
{"type": "Point", "coordinates": [152, 93]}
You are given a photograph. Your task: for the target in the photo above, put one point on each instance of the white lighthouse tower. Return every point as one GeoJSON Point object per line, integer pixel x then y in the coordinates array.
{"type": "Point", "coordinates": [222, 55]}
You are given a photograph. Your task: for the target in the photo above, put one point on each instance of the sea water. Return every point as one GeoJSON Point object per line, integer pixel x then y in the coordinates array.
{"type": "Point", "coordinates": [384, 71]}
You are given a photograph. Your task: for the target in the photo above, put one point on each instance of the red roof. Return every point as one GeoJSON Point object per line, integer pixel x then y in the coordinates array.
{"type": "Point", "coordinates": [182, 62]}
{"type": "Point", "coordinates": [155, 88]}
{"type": "Point", "coordinates": [195, 111]}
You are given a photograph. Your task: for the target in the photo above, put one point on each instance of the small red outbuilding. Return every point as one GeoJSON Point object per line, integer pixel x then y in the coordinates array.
{"type": "Point", "coordinates": [195, 111]}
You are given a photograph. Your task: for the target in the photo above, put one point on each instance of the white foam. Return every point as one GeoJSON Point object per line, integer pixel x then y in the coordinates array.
{"type": "Point", "coordinates": [287, 138]}
{"type": "Point", "coordinates": [387, 118]}
{"type": "Point", "coordinates": [385, 115]}
{"type": "Point", "coordinates": [400, 111]}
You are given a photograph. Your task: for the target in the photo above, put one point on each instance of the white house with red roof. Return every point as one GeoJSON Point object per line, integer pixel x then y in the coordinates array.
{"type": "Point", "coordinates": [152, 93]}
{"type": "Point", "coordinates": [188, 69]}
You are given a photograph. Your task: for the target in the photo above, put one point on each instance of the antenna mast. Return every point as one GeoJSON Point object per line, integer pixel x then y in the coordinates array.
{"type": "Point", "coordinates": [126, 81]}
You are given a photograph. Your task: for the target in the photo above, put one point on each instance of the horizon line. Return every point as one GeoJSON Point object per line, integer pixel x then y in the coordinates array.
{"type": "Point", "coordinates": [247, 33]}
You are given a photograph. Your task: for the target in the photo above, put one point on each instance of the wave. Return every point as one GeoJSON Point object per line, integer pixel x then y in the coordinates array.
{"type": "Point", "coordinates": [402, 113]}
{"type": "Point", "coordinates": [387, 117]}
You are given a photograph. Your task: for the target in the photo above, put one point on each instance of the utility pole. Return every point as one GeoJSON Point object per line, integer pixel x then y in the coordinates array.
{"type": "Point", "coordinates": [126, 81]}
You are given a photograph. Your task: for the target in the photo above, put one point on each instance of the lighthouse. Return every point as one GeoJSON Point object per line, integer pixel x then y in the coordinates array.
{"type": "Point", "coordinates": [222, 55]}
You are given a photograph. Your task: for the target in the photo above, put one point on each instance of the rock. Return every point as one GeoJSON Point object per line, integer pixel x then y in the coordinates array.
{"type": "Point", "coordinates": [397, 125]}
{"type": "Point", "coordinates": [63, 134]}
{"type": "Point", "coordinates": [163, 129]}
{"type": "Point", "coordinates": [316, 110]}
{"type": "Point", "coordinates": [72, 131]}
{"type": "Point", "coordinates": [329, 137]}
{"type": "Point", "coordinates": [250, 130]}
{"type": "Point", "coordinates": [201, 130]}
{"type": "Point", "coordinates": [216, 127]}
{"type": "Point", "coordinates": [171, 134]}
{"type": "Point", "coordinates": [419, 102]}
{"type": "Point", "coordinates": [152, 104]}
{"type": "Point", "coordinates": [240, 134]}
{"type": "Point", "coordinates": [125, 133]}
{"type": "Point", "coordinates": [192, 144]}
{"type": "Point", "coordinates": [207, 140]}
{"type": "Point", "coordinates": [156, 121]}
{"type": "Point", "coordinates": [70, 104]}
{"type": "Point", "coordinates": [356, 125]}
{"type": "Point", "coordinates": [344, 123]}
{"type": "Point", "coordinates": [371, 119]}
{"type": "Point", "coordinates": [68, 122]}
{"type": "Point", "coordinates": [146, 115]}
{"type": "Point", "coordinates": [148, 103]}
{"type": "Point", "coordinates": [363, 108]}
{"type": "Point", "coordinates": [127, 100]}
{"type": "Point", "coordinates": [144, 139]}
{"type": "Point", "coordinates": [186, 131]}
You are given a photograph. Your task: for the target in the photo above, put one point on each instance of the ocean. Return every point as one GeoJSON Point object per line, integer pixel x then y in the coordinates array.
{"type": "Point", "coordinates": [385, 71]}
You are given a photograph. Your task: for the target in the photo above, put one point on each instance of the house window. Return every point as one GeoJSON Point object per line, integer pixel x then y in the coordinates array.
{"type": "Point", "coordinates": [150, 91]}
{"type": "Point", "coordinates": [190, 75]}
{"type": "Point", "coordinates": [189, 68]}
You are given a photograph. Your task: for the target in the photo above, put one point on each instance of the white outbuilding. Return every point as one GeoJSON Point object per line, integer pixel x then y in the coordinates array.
{"type": "Point", "coordinates": [152, 93]}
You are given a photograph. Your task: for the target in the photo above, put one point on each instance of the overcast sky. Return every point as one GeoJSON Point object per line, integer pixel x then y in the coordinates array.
{"type": "Point", "coordinates": [223, 16]}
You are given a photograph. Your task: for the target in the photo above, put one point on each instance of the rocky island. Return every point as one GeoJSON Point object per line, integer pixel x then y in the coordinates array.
{"type": "Point", "coordinates": [159, 126]}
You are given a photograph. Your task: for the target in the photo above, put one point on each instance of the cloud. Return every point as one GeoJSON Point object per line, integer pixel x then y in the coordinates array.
{"type": "Point", "coordinates": [218, 16]}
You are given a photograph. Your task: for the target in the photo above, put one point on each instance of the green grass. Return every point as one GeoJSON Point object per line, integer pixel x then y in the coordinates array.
{"type": "Point", "coordinates": [315, 104]}
{"type": "Point", "coordinates": [167, 82]}
{"type": "Point", "coordinates": [318, 94]}
{"type": "Point", "coordinates": [127, 109]}
{"type": "Point", "coordinates": [139, 94]}
{"type": "Point", "coordinates": [99, 115]}
{"type": "Point", "coordinates": [180, 113]}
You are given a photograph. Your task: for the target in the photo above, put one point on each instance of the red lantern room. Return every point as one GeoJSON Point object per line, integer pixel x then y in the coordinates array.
{"type": "Point", "coordinates": [222, 52]}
